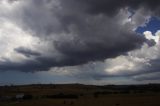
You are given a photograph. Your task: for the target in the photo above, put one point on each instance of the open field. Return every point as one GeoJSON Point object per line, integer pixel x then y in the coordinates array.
{"type": "Point", "coordinates": [80, 95]}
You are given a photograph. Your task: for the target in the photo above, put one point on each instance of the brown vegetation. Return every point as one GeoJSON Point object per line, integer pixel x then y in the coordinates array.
{"type": "Point", "coordinates": [80, 95]}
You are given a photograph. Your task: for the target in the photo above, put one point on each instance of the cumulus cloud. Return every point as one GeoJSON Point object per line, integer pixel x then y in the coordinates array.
{"type": "Point", "coordinates": [78, 35]}
{"type": "Point", "coordinates": [140, 64]}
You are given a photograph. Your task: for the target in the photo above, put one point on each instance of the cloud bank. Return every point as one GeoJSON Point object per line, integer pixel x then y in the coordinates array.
{"type": "Point", "coordinates": [85, 37]}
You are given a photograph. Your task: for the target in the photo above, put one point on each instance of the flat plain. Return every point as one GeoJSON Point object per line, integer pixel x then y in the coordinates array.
{"type": "Point", "coordinates": [80, 95]}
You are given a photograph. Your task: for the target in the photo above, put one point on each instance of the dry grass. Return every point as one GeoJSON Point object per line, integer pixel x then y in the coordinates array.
{"type": "Point", "coordinates": [85, 93]}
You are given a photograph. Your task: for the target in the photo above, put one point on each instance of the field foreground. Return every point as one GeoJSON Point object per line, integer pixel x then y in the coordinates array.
{"type": "Point", "coordinates": [80, 95]}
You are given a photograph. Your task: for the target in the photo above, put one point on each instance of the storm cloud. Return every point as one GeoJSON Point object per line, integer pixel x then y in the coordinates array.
{"type": "Point", "coordinates": [26, 52]}
{"type": "Point", "coordinates": [76, 33]}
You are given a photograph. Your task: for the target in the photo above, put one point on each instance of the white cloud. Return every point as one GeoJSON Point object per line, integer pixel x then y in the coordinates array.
{"type": "Point", "coordinates": [11, 37]}
{"type": "Point", "coordinates": [136, 60]}
{"type": "Point", "coordinates": [150, 36]}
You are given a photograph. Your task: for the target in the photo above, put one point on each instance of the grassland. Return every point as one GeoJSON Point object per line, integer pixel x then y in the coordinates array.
{"type": "Point", "coordinates": [81, 95]}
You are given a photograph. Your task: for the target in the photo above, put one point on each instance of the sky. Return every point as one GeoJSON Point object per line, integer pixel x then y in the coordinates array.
{"type": "Point", "coordinates": [153, 26]}
{"type": "Point", "coordinates": [79, 41]}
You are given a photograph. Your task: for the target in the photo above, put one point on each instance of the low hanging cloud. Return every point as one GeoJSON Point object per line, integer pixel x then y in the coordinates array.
{"type": "Point", "coordinates": [76, 33]}
{"type": "Point", "coordinates": [26, 52]}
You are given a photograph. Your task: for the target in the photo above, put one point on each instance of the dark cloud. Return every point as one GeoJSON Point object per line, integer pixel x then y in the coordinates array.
{"type": "Point", "coordinates": [26, 52]}
{"type": "Point", "coordinates": [111, 7]}
{"type": "Point", "coordinates": [40, 64]}
{"type": "Point", "coordinates": [93, 51]}
{"type": "Point", "coordinates": [150, 42]}
{"type": "Point", "coordinates": [147, 77]}
{"type": "Point", "coordinates": [81, 31]}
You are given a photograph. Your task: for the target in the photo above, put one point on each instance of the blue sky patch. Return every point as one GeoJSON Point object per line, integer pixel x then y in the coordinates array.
{"type": "Point", "coordinates": [153, 25]}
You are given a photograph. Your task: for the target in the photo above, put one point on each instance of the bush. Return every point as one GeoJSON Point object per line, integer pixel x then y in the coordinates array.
{"type": "Point", "coordinates": [27, 97]}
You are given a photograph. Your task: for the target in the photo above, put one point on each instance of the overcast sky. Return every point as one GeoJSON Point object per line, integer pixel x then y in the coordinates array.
{"type": "Point", "coordinates": [79, 41]}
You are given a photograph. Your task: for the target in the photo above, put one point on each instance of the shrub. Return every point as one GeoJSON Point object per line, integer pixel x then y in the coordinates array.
{"type": "Point", "coordinates": [27, 97]}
